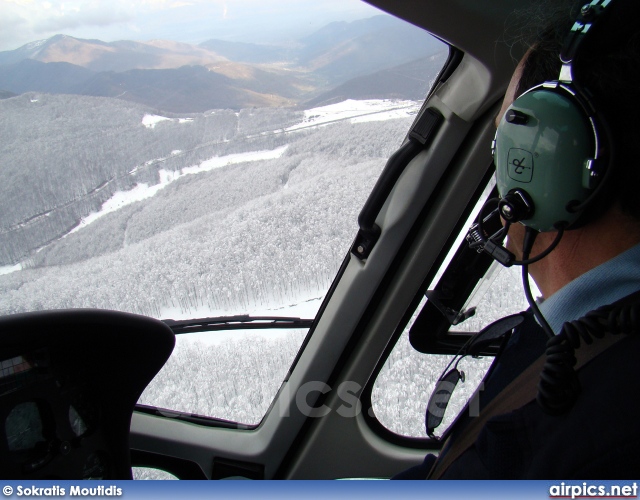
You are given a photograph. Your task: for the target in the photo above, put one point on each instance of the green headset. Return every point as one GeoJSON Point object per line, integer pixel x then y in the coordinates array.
{"type": "Point", "coordinates": [549, 146]}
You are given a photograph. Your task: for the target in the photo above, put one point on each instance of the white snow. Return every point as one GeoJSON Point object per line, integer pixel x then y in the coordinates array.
{"type": "Point", "coordinates": [357, 111]}
{"type": "Point", "coordinates": [143, 191]}
{"type": "Point", "coordinates": [392, 114]}
{"type": "Point", "coordinates": [223, 161]}
{"type": "Point", "coordinates": [220, 337]}
{"type": "Point", "coordinates": [119, 200]}
{"type": "Point", "coordinates": [150, 121]}
{"type": "Point", "coordinates": [353, 110]}
{"type": "Point", "coordinates": [10, 269]}
{"type": "Point", "coordinates": [36, 44]}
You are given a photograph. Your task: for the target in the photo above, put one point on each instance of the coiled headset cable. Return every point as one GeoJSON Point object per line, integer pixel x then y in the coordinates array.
{"type": "Point", "coordinates": [559, 386]}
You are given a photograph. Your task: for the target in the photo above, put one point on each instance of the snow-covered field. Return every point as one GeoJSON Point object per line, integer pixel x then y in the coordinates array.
{"type": "Point", "coordinates": [357, 112]}
{"type": "Point", "coordinates": [150, 121]}
{"type": "Point", "coordinates": [351, 111]}
{"type": "Point", "coordinates": [140, 192]}
{"type": "Point", "coordinates": [308, 187]}
{"type": "Point", "coordinates": [10, 269]}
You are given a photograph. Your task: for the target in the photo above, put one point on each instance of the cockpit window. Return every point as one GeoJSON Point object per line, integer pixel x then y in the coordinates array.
{"type": "Point", "coordinates": [407, 380]}
{"type": "Point", "coordinates": [204, 169]}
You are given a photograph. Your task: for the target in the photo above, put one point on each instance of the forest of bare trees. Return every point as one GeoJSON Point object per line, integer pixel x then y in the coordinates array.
{"type": "Point", "coordinates": [257, 232]}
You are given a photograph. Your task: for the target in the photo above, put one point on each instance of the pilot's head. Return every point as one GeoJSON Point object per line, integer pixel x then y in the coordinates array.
{"type": "Point", "coordinates": [605, 72]}
{"type": "Point", "coordinates": [571, 162]}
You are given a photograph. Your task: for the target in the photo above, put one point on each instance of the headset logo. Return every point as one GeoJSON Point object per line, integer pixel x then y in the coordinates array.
{"type": "Point", "coordinates": [520, 163]}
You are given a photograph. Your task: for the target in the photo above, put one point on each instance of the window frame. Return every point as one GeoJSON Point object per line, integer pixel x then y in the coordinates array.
{"type": "Point", "coordinates": [240, 323]}
{"type": "Point", "coordinates": [366, 398]}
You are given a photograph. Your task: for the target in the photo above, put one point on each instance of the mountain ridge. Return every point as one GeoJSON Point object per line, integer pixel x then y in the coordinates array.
{"type": "Point", "coordinates": [121, 55]}
{"type": "Point", "coordinates": [163, 74]}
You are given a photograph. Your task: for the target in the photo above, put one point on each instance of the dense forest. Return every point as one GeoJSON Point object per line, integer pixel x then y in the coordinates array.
{"type": "Point", "coordinates": [100, 146]}
{"type": "Point", "coordinates": [234, 380]}
{"type": "Point", "coordinates": [254, 232]}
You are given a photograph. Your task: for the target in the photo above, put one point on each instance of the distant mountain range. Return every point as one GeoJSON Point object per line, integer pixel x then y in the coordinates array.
{"type": "Point", "coordinates": [187, 89]}
{"type": "Point", "coordinates": [114, 56]}
{"type": "Point", "coordinates": [407, 81]}
{"type": "Point", "coordinates": [180, 77]}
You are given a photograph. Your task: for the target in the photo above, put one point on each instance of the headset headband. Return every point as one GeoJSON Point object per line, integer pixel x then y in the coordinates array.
{"type": "Point", "coordinates": [589, 14]}
{"type": "Point", "coordinates": [549, 144]}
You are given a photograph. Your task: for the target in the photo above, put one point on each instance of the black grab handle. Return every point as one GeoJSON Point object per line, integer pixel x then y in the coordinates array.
{"type": "Point", "coordinates": [423, 130]}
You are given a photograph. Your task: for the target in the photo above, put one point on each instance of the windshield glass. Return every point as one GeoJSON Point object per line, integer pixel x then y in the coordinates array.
{"type": "Point", "coordinates": [194, 160]}
{"type": "Point", "coordinates": [185, 160]}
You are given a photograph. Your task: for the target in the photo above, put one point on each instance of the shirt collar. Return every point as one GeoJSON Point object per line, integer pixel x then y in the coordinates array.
{"type": "Point", "coordinates": [602, 285]}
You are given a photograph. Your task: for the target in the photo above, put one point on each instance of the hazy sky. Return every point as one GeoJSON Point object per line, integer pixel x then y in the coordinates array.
{"type": "Point", "coordinates": [23, 21]}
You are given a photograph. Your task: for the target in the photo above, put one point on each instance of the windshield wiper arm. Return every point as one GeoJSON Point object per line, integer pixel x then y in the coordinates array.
{"type": "Point", "coordinates": [241, 322]}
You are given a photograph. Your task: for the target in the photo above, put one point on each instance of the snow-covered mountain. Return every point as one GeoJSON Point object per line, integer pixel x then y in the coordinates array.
{"type": "Point", "coordinates": [205, 218]}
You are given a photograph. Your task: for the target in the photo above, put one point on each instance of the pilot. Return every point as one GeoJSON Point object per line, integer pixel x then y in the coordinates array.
{"type": "Point", "coordinates": [561, 401]}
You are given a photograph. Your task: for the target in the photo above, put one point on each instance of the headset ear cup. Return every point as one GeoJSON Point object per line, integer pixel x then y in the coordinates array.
{"type": "Point", "coordinates": [601, 179]}
{"type": "Point", "coordinates": [545, 144]}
